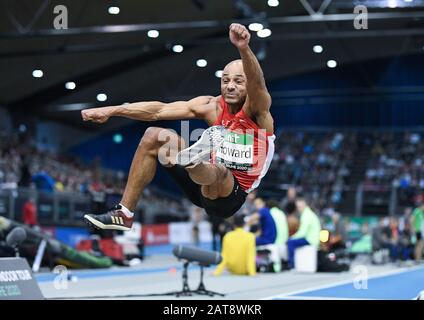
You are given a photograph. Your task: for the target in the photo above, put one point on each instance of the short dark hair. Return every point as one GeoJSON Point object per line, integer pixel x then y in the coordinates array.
{"type": "Point", "coordinates": [238, 220]}
{"type": "Point", "coordinates": [272, 203]}
{"type": "Point", "coordinates": [290, 207]}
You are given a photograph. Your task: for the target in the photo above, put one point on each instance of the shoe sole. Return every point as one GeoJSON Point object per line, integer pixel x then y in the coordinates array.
{"type": "Point", "coordinates": [198, 155]}
{"type": "Point", "coordinates": [103, 226]}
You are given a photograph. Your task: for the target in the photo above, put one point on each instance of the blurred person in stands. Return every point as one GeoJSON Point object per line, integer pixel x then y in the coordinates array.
{"type": "Point", "coordinates": [196, 218]}
{"type": "Point", "coordinates": [308, 232]}
{"type": "Point", "coordinates": [292, 217]}
{"type": "Point", "coordinates": [381, 235]}
{"type": "Point", "coordinates": [238, 251]}
{"type": "Point", "coordinates": [98, 194]}
{"type": "Point", "coordinates": [290, 197]}
{"type": "Point", "coordinates": [29, 213]}
{"type": "Point", "coordinates": [417, 223]}
{"type": "Point", "coordinates": [248, 206]}
{"type": "Point", "coordinates": [267, 229]}
{"type": "Point", "coordinates": [219, 228]}
{"type": "Point", "coordinates": [405, 241]}
{"type": "Point", "coordinates": [58, 186]}
{"type": "Point", "coordinates": [43, 181]}
{"type": "Point", "coordinates": [338, 234]}
{"type": "Point", "coordinates": [396, 241]}
{"type": "Point", "coordinates": [25, 180]}
{"type": "Point", "coordinates": [280, 220]}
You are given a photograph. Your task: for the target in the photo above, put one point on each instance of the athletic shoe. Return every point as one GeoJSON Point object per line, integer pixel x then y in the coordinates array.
{"type": "Point", "coordinates": [114, 219]}
{"type": "Point", "coordinates": [210, 141]}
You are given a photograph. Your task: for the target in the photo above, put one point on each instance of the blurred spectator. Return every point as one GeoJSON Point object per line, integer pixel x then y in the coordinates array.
{"type": "Point", "coordinates": [29, 213]}
{"type": "Point", "coordinates": [417, 227]}
{"type": "Point", "coordinates": [219, 228]}
{"type": "Point", "coordinates": [405, 247]}
{"type": "Point", "coordinates": [25, 179]}
{"type": "Point", "coordinates": [280, 221]}
{"type": "Point", "coordinates": [238, 251]}
{"type": "Point", "coordinates": [290, 196]}
{"type": "Point", "coordinates": [338, 234]}
{"type": "Point", "coordinates": [292, 217]}
{"type": "Point", "coordinates": [308, 232]}
{"type": "Point", "coordinates": [44, 182]}
{"type": "Point", "coordinates": [381, 235]}
{"type": "Point", "coordinates": [263, 217]}
{"type": "Point", "coordinates": [196, 218]}
{"type": "Point", "coordinates": [248, 206]}
{"type": "Point", "coordinates": [98, 197]}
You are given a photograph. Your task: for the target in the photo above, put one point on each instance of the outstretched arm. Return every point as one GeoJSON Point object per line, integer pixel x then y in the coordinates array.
{"type": "Point", "coordinates": [198, 108]}
{"type": "Point", "coordinates": [259, 98]}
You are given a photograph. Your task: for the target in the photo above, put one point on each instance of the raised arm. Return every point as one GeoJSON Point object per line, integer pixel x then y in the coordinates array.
{"type": "Point", "coordinates": [258, 96]}
{"type": "Point", "coordinates": [203, 108]}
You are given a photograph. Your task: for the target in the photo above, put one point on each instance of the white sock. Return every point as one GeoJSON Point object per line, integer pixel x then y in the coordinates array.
{"type": "Point", "coordinates": [127, 212]}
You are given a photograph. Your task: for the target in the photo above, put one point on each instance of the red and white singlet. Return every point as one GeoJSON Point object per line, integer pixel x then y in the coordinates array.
{"type": "Point", "coordinates": [247, 150]}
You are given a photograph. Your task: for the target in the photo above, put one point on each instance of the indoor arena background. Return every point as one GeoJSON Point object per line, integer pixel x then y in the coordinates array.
{"type": "Point", "coordinates": [347, 87]}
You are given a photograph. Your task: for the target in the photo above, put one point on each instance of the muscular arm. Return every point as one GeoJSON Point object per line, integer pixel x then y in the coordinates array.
{"type": "Point", "coordinates": [203, 108]}
{"type": "Point", "coordinates": [260, 99]}
{"type": "Point", "coordinates": [256, 89]}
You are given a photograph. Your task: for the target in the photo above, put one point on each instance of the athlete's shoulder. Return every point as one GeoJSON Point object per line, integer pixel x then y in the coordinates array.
{"type": "Point", "coordinates": [203, 100]}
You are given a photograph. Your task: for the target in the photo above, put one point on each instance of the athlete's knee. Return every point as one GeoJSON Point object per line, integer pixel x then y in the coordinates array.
{"type": "Point", "coordinates": [150, 137]}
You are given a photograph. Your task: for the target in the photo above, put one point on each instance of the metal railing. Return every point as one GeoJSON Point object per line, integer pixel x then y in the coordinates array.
{"type": "Point", "coordinates": [52, 208]}
{"type": "Point", "coordinates": [68, 208]}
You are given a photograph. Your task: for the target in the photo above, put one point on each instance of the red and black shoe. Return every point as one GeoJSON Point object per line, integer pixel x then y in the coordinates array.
{"type": "Point", "coordinates": [114, 219]}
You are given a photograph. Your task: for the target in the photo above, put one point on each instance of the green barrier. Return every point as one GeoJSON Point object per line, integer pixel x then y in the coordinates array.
{"type": "Point", "coordinates": [84, 259]}
{"type": "Point", "coordinates": [63, 254]}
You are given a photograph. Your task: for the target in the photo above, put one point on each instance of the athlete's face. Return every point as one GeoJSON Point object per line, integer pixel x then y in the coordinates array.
{"type": "Point", "coordinates": [233, 83]}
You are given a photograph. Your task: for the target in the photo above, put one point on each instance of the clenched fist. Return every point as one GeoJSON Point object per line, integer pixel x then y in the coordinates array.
{"type": "Point", "coordinates": [239, 35]}
{"type": "Point", "coordinates": [98, 115]}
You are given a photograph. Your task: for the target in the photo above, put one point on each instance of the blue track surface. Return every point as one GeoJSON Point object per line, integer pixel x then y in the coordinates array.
{"type": "Point", "coordinates": [400, 286]}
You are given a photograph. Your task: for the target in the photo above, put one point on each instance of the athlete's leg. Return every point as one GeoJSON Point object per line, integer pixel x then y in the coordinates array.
{"type": "Point", "coordinates": [216, 180]}
{"type": "Point", "coordinates": [155, 143]}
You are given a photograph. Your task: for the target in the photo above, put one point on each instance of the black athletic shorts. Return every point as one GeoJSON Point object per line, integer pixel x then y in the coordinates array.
{"type": "Point", "coordinates": [418, 236]}
{"type": "Point", "coordinates": [220, 207]}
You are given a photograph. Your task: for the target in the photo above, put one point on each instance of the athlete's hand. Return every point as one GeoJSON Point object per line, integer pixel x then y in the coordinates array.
{"type": "Point", "coordinates": [239, 35]}
{"type": "Point", "coordinates": [98, 115]}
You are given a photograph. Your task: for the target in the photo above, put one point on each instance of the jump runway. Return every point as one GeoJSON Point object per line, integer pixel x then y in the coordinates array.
{"type": "Point", "coordinates": [162, 273]}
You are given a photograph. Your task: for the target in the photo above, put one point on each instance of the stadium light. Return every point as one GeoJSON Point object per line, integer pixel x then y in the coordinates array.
{"type": "Point", "coordinates": [264, 33]}
{"type": "Point", "coordinates": [317, 49]}
{"type": "Point", "coordinates": [218, 74]}
{"type": "Point", "coordinates": [331, 63]}
{"type": "Point", "coordinates": [37, 73]}
{"type": "Point", "coordinates": [201, 63]}
{"type": "Point", "coordinates": [273, 3]}
{"type": "Point", "coordinates": [178, 48]}
{"type": "Point", "coordinates": [255, 26]}
{"type": "Point", "coordinates": [114, 10]}
{"type": "Point", "coordinates": [101, 97]}
{"type": "Point", "coordinates": [70, 85]}
{"type": "Point", "coordinates": [153, 33]}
